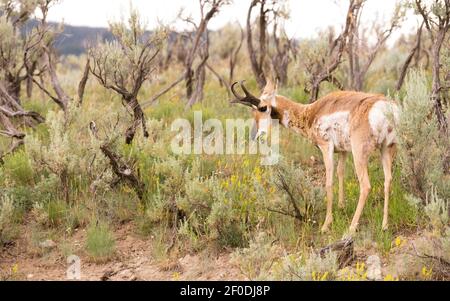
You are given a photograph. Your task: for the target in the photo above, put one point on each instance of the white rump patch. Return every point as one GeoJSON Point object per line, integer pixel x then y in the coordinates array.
{"type": "Point", "coordinates": [336, 129]}
{"type": "Point", "coordinates": [381, 123]}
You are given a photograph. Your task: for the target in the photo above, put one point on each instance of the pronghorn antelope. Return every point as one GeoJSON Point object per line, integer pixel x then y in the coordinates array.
{"type": "Point", "coordinates": [340, 122]}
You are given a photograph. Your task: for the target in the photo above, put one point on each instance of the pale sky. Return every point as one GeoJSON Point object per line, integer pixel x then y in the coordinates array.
{"type": "Point", "coordinates": [307, 16]}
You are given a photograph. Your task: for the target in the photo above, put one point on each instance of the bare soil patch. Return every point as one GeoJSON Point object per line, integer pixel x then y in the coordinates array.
{"type": "Point", "coordinates": [133, 261]}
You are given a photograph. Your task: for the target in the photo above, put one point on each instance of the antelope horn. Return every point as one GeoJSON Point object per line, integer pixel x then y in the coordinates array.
{"type": "Point", "coordinates": [233, 90]}
{"type": "Point", "coordinates": [248, 100]}
{"type": "Point", "coordinates": [247, 93]}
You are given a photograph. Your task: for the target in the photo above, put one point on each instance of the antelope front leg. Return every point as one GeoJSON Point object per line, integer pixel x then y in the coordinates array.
{"type": "Point", "coordinates": [341, 177]}
{"type": "Point", "coordinates": [327, 152]}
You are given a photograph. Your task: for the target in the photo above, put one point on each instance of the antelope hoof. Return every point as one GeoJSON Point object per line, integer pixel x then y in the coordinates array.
{"type": "Point", "coordinates": [385, 226]}
{"type": "Point", "coordinates": [324, 229]}
{"type": "Point", "coordinates": [352, 230]}
{"type": "Point", "coordinates": [341, 205]}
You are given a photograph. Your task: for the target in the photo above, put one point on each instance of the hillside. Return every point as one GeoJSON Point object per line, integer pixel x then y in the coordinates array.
{"type": "Point", "coordinates": [74, 39]}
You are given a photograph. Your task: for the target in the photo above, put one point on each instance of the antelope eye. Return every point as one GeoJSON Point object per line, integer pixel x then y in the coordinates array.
{"type": "Point", "coordinates": [263, 109]}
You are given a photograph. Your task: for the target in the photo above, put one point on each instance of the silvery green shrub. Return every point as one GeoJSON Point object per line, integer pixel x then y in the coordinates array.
{"type": "Point", "coordinates": [422, 149]}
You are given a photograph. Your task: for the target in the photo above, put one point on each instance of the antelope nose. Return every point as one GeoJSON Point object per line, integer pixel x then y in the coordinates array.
{"type": "Point", "coordinates": [262, 136]}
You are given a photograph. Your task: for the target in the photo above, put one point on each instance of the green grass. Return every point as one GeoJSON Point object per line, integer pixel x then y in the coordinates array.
{"type": "Point", "coordinates": [100, 242]}
{"type": "Point", "coordinates": [18, 168]}
{"type": "Point", "coordinates": [56, 212]}
{"type": "Point", "coordinates": [161, 240]}
{"type": "Point", "coordinates": [75, 217]}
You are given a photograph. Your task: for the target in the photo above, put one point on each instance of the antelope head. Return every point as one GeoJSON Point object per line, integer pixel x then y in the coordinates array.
{"type": "Point", "coordinates": [262, 107]}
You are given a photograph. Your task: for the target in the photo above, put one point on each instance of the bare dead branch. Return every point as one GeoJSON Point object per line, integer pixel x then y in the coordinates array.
{"type": "Point", "coordinates": [196, 78]}
{"type": "Point", "coordinates": [222, 81]}
{"type": "Point", "coordinates": [15, 145]}
{"type": "Point", "coordinates": [122, 170]}
{"type": "Point", "coordinates": [283, 185]}
{"type": "Point", "coordinates": [36, 116]}
{"type": "Point", "coordinates": [409, 59]}
{"type": "Point", "coordinates": [83, 81]}
{"type": "Point", "coordinates": [345, 250]}
{"type": "Point", "coordinates": [63, 98]}
{"type": "Point", "coordinates": [164, 91]}
{"type": "Point", "coordinates": [282, 213]}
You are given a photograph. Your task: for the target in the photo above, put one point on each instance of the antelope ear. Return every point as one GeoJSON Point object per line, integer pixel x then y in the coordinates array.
{"type": "Point", "coordinates": [270, 88]}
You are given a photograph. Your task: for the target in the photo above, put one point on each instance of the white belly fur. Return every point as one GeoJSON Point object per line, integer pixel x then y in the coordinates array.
{"type": "Point", "coordinates": [381, 123]}
{"type": "Point", "coordinates": [335, 128]}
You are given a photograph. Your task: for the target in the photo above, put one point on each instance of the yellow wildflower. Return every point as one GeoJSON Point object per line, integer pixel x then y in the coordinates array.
{"type": "Point", "coordinates": [427, 273]}
{"type": "Point", "coordinates": [399, 242]}
{"type": "Point", "coordinates": [15, 269]}
{"type": "Point", "coordinates": [176, 276]}
{"type": "Point", "coordinates": [316, 276]}
{"type": "Point", "coordinates": [389, 277]}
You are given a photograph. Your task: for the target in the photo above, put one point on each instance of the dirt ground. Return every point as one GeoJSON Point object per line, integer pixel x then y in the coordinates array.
{"type": "Point", "coordinates": [133, 261]}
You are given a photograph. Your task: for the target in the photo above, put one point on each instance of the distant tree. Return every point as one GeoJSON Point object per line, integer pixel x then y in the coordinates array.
{"type": "Point", "coordinates": [174, 50]}
{"type": "Point", "coordinates": [229, 51]}
{"type": "Point", "coordinates": [360, 53]}
{"type": "Point", "coordinates": [233, 55]}
{"type": "Point", "coordinates": [124, 64]}
{"type": "Point", "coordinates": [321, 67]}
{"type": "Point", "coordinates": [45, 59]}
{"type": "Point", "coordinates": [21, 56]}
{"type": "Point", "coordinates": [197, 53]}
{"type": "Point", "coordinates": [258, 45]}
{"type": "Point", "coordinates": [21, 49]}
{"type": "Point", "coordinates": [283, 49]}
{"type": "Point", "coordinates": [436, 17]}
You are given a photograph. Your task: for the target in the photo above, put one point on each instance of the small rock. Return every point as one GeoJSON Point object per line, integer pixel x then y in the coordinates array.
{"type": "Point", "coordinates": [374, 268]}
{"type": "Point", "coordinates": [30, 276]}
{"type": "Point", "coordinates": [140, 262]}
{"type": "Point", "coordinates": [107, 275]}
{"type": "Point", "coordinates": [127, 275]}
{"type": "Point", "coordinates": [47, 244]}
{"type": "Point", "coordinates": [133, 278]}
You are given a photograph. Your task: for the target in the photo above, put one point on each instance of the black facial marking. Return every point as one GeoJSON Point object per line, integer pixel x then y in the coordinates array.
{"type": "Point", "coordinates": [262, 109]}
{"type": "Point", "coordinates": [274, 114]}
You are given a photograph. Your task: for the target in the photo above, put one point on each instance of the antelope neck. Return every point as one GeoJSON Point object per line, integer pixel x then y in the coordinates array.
{"type": "Point", "coordinates": [292, 115]}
